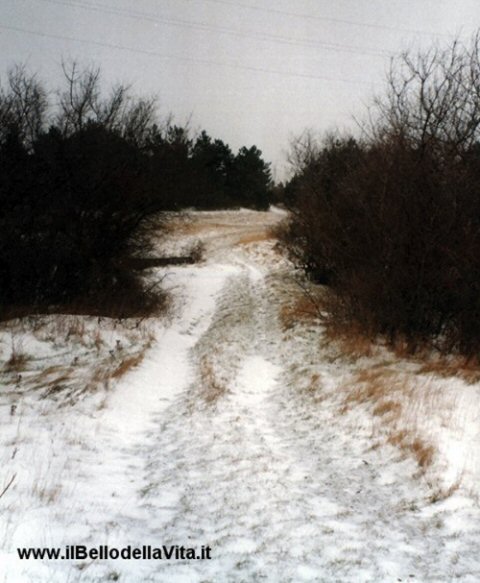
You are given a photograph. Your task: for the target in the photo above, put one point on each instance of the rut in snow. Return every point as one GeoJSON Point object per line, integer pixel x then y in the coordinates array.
{"type": "Point", "coordinates": [236, 487]}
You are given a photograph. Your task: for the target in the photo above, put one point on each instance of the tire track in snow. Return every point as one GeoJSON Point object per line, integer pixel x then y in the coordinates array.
{"type": "Point", "coordinates": [105, 501]}
{"type": "Point", "coordinates": [239, 487]}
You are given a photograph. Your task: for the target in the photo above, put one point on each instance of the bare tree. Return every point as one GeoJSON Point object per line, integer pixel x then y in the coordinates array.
{"type": "Point", "coordinates": [304, 149]}
{"type": "Point", "coordinates": [137, 119]}
{"type": "Point", "coordinates": [82, 102]}
{"type": "Point", "coordinates": [23, 106]}
{"type": "Point", "coordinates": [79, 100]}
{"type": "Point", "coordinates": [433, 98]}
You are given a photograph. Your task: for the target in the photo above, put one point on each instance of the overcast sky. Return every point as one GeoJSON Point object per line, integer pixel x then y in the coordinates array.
{"type": "Point", "coordinates": [247, 71]}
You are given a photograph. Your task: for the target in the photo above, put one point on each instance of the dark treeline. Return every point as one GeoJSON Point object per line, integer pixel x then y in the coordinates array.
{"type": "Point", "coordinates": [85, 177]}
{"type": "Point", "coordinates": [391, 221]}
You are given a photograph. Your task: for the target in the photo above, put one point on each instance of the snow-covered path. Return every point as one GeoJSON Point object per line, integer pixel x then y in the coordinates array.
{"type": "Point", "coordinates": [212, 441]}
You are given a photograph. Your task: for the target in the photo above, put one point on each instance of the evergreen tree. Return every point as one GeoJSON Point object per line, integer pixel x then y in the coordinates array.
{"type": "Point", "coordinates": [251, 178]}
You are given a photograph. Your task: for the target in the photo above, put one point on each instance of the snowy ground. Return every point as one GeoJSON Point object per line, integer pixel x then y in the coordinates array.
{"type": "Point", "coordinates": [238, 427]}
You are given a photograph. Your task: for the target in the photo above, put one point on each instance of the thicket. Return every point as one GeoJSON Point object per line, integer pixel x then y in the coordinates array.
{"type": "Point", "coordinates": [391, 221]}
{"type": "Point", "coordinates": [84, 179]}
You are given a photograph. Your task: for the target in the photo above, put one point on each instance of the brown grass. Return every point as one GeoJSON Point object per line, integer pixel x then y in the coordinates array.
{"type": "Point", "coordinates": [212, 389]}
{"type": "Point", "coordinates": [49, 371]}
{"type": "Point", "coordinates": [301, 309]}
{"type": "Point", "coordinates": [444, 366]}
{"type": "Point", "coordinates": [387, 407]}
{"type": "Point", "coordinates": [350, 340]}
{"type": "Point", "coordinates": [397, 438]}
{"type": "Point", "coordinates": [440, 494]}
{"type": "Point", "coordinates": [58, 379]}
{"type": "Point", "coordinates": [400, 401]}
{"type": "Point", "coordinates": [314, 389]}
{"type": "Point", "coordinates": [256, 237]}
{"type": "Point", "coordinates": [388, 392]}
{"type": "Point", "coordinates": [127, 364]}
{"type": "Point", "coordinates": [47, 494]}
{"type": "Point", "coordinates": [195, 228]}
{"type": "Point", "coordinates": [56, 385]}
{"type": "Point", "coordinates": [372, 385]}
{"type": "Point", "coordinates": [409, 443]}
{"type": "Point", "coordinates": [423, 453]}
{"type": "Point", "coordinates": [466, 369]}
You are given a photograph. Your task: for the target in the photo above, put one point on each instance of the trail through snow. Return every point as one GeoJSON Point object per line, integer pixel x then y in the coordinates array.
{"type": "Point", "coordinates": [210, 442]}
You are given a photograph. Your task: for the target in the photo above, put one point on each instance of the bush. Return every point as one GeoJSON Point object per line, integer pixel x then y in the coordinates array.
{"type": "Point", "coordinates": [75, 199]}
{"type": "Point", "coordinates": [392, 222]}
{"type": "Point", "coordinates": [84, 183]}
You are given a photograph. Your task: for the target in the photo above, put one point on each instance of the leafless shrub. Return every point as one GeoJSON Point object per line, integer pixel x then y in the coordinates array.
{"type": "Point", "coordinates": [77, 196]}
{"type": "Point", "coordinates": [23, 106]}
{"type": "Point", "coordinates": [82, 103]}
{"type": "Point", "coordinates": [86, 183]}
{"type": "Point", "coordinates": [391, 222]}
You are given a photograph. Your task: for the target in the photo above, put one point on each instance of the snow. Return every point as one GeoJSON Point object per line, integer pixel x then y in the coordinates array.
{"type": "Point", "coordinates": [231, 432]}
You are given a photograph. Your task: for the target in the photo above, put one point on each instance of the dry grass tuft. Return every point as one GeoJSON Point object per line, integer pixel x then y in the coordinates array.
{"type": "Point", "coordinates": [76, 328]}
{"type": "Point", "coordinates": [391, 395]}
{"type": "Point", "coordinates": [127, 364]}
{"type": "Point", "coordinates": [16, 362]}
{"type": "Point", "coordinates": [315, 378]}
{"type": "Point", "coordinates": [423, 453]}
{"type": "Point", "coordinates": [50, 371]}
{"type": "Point", "coordinates": [301, 310]}
{"type": "Point", "coordinates": [443, 493]}
{"type": "Point", "coordinates": [387, 407]}
{"type": "Point", "coordinates": [97, 340]}
{"type": "Point", "coordinates": [397, 438]}
{"type": "Point", "coordinates": [212, 388]}
{"type": "Point", "coordinates": [372, 385]}
{"type": "Point", "coordinates": [256, 237]}
{"type": "Point", "coordinates": [314, 389]}
{"type": "Point", "coordinates": [57, 384]}
{"type": "Point", "coordinates": [444, 366]}
{"type": "Point", "coordinates": [409, 443]}
{"type": "Point", "coordinates": [350, 340]}
{"type": "Point", "coordinates": [18, 357]}
{"type": "Point", "coordinates": [468, 369]}
{"type": "Point", "coordinates": [406, 349]}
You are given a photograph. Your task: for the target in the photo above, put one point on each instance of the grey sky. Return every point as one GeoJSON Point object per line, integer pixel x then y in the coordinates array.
{"type": "Point", "coordinates": [249, 72]}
